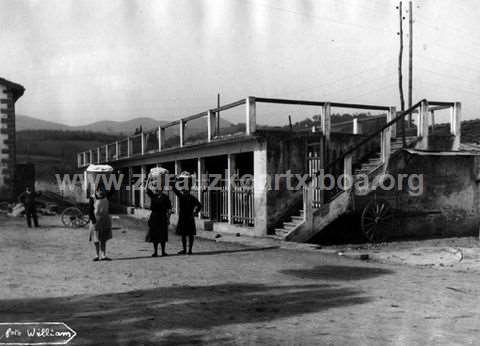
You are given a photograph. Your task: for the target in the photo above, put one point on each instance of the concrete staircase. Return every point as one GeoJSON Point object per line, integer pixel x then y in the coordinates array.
{"type": "Point", "coordinates": [289, 226]}
{"type": "Point", "coordinates": [372, 168]}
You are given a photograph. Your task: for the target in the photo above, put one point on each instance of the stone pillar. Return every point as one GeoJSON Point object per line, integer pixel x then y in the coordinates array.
{"type": "Point", "coordinates": [260, 191]}
{"type": "Point", "coordinates": [231, 170]}
{"type": "Point", "coordinates": [251, 116]}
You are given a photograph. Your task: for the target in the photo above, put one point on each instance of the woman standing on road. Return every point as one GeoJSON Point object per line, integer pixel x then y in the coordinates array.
{"type": "Point", "coordinates": [100, 223]}
{"type": "Point", "coordinates": [160, 216]}
{"type": "Point", "coordinates": [188, 206]}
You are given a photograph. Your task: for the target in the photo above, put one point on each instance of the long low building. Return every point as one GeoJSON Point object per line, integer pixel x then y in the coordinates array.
{"type": "Point", "coordinates": [264, 181]}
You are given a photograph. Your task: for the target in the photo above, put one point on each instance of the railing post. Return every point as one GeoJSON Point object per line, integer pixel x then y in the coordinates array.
{"type": "Point", "coordinates": [161, 138]}
{"type": "Point", "coordinates": [211, 125]}
{"type": "Point", "coordinates": [455, 124]}
{"type": "Point", "coordinates": [390, 116]}
{"type": "Point", "coordinates": [251, 113]}
{"type": "Point", "coordinates": [117, 150]}
{"type": "Point", "coordinates": [326, 121]}
{"type": "Point", "coordinates": [355, 126]}
{"type": "Point", "coordinates": [422, 130]}
{"type": "Point", "coordinates": [181, 126]}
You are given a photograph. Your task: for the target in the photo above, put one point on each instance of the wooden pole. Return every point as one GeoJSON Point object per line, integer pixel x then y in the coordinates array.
{"type": "Point", "coordinates": [400, 55]}
{"type": "Point", "coordinates": [410, 58]}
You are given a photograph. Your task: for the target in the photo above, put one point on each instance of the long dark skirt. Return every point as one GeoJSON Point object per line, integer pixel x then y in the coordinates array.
{"type": "Point", "coordinates": [157, 228]}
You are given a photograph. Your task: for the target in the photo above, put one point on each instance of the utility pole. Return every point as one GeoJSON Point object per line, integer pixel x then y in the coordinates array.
{"type": "Point", "coordinates": [410, 58]}
{"type": "Point", "coordinates": [400, 55]}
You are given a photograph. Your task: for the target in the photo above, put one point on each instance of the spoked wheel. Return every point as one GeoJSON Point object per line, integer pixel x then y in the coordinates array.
{"type": "Point", "coordinates": [74, 217]}
{"type": "Point", "coordinates": [377, 220]}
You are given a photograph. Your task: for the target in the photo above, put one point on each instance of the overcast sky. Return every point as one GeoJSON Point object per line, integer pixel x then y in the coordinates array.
{"type": "Point", "coordinates": [82, 61]}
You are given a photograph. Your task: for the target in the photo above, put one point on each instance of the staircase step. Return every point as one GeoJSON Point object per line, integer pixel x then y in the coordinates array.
{"type": "Point", "coordinates": [297, 218]}
{"type": "Point", "coordinates": [281, 231]}
{"type": "Point", "coordinates": [287, 225]}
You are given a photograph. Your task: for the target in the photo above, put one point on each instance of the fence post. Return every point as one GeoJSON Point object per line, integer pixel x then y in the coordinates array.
{"type": "Point", "coordinates": [251, 112]}
{"type": "Point", "coordinates": [181, 126]}
{"type": "Point", "coordinates": [455, 123]}
{"type": "Point", "coordinates": [230, 172]}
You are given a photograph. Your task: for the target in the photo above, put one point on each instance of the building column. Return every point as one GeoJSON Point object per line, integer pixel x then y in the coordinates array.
{"type": "Point", "coordinates": [98, 155]}
{"type": "Point", "coordinates": [129, 147]}
{"type": "Point", "coordinates": [231, 169]}
{"type": "Point", "coordinates": [260, 190]}
{"type": "Point", "coordinates": [117, 149]}
{"type": "Point", "coordinates": [106, 153]}
{"type": "Point", "coordinates": [200, 175]}
{"type": "Point", "coordinates": [142, 143]}
{"type": "Point", "coordinates": [355, 126]}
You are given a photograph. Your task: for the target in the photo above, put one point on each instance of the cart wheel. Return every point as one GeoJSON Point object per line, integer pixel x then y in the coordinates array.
{"type": "Point", "coordinates": [74, 217]}
{"type": "Point", "coordinates": [377, 220]}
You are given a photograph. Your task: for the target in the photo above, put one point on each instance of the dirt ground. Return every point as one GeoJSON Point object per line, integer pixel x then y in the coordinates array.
{"type": "Point", "coordinates": [226, 294]}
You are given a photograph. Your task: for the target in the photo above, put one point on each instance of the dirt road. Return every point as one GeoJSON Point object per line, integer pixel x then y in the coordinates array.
{"type": "Point", "coordinates": [226, 294]}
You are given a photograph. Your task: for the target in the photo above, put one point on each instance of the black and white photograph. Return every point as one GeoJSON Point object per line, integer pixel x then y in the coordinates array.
{"type": "Point", "coordinates": [239, 172]}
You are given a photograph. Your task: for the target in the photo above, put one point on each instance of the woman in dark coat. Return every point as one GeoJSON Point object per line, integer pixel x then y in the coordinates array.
{"type": "Point", "coordinates": [188, 207]}
{"type": "Point", "coordinates": [159, 220]}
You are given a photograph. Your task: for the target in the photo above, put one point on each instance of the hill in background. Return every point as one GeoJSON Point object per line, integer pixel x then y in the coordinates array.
{"type": "Point", "coordinates": [24, 122]}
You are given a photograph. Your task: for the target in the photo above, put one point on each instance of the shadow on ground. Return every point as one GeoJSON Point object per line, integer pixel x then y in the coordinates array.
{"type": "Point", "coordinates": [185, 314]}
{"type": "Point", "coordinates": [337, 273]}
